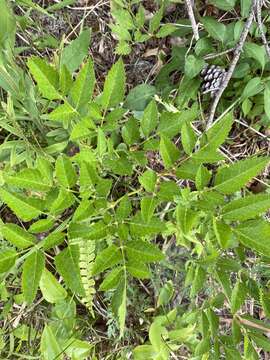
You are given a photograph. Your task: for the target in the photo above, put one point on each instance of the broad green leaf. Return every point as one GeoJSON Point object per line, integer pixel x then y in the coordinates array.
{"type": "Point", "coordinates": [88, 175]}
{"type": "Point", "coordinates": [150, 118]}
{"type": "Point", "coordinates": [246, 208]}
{"type": "Point", "coordinates": [65, 172]}
{"type": "Point", "coordinates": [67, 264]}
{"type": "Point", "coordinates": [114, 86]}
{"type": "Point", "coordinates": [255, 236]}
{"type": "Point", "coordinates": [213, 321]}
{"type": "Point", "coordinates": [148, 206]}
{"type": "Point", "coordinates": [166, 30]}
{"type": "Point", "coordinates": [95, 231]}
{"type": "Point", "coordinates": [265, 302]}
{"type": "Point", "coordinates": [82, 130]}
{"type": "Point", "coordinates": [119, 165]}
{"type": "Point", "coordinates": [203, 347]}
{"type": "Point", "coordinates": [112, 279]}
{"type": "Point", "coordinates": [77, 349]}
{"type": "Point", "coordinates": [188, 138]}
{"type": "Point", "coordinates": [7, 259]}
{"type": "Point", "coordinates": [30, 179]}
{"type": "Point", "coordinates": [166, 293]}
{"type": "Point", "coordinates": [233, 177]}
{"type": "Point", "coordinates": [170, 124]}
{"type": "Point", "coordinates": [31, 274]}
{"type": "Point", "coordinates": [138, 269]}
{"type": "Point", "coordinates": [51, 289]}
{"type": "Point", "coordinates": [53, 239]}
{"type": "Point", "coordinates": [156, 337]}
{"type": "Point", "coordinates": [188, 169]}
{"type": "Point", "coordinates": [148, 180]}
{"type": "Point", "coordinates": [144, 251]}
{"type": "Point", "coordinates": [138, 227]}
{"type": "Point", "coordinates": [193, 66]}
{"type": "Point", "coordinates": [74, 54]}
{"type": "Point", "coordinates": [168, 151]}
{"type": "Point", "coordinates": [49, 347]}
{"type": "Point", "coordinates": [119, 304]}
{"type": "Point", "coordinates": [139, 97]}
{"type": "Point", "coordinates": [101, 143]}
{"type": "Point", "coordinates": [168, 190]}
{"type": "Point", "coordinates": [84, 211]}
{"type": "Point", "coordinates": [198, 281]}
{"type": "Point", "coordinates": [130, 131]}
{"type": "Point", "coordinates": [65, 79]}
{"type": "Point", "coordinates": [155, 20]}
{"type": "Point", "coordinates": [45, 168]}
{"type": "Point", "coordinates": [63, 113]}
{"type": "Point", "coordinates": [7, 25]}
{"type": "Point", "coordinates": [202, 178]}
{"type": "Point", "coordinates": [261, 341]}
{"type": "Point", "coordinates": [245, 7]}
{"type": "Point", "coordinates": [219, 131]}
{"type": "Point", "coordinates": [143, 352]}
{"type": "Point", "coordinates": [226, 5]}
{"type": "Point", "coordinates": [83, 87]}
{"type": "Point", "coordinates": [124, 209]}
{"type": "Point", "coordinates": [267, 101]}
{"type": "Point", "coordinates": [24, 207]}
{"type": "Point", "coordinates": [45, 76]}
{"type": "Point", "coordinates": [223, 233]}
{"type": "Point", "coordinates": [64, 200]}
{"type": "Point", "coordinates": [41, 226]}
{"type": "Point", "coordinates": [213, 138]}
{"type": "Point", "coordinates": [17, 236]}
{"type": "Point", "coordinates": [238, 296]}
{"type": "Point", "coordinates": [253, 87]}
{"type": "Point", "coordinates": [214, 28]}
{"type": "Point", "coordinates": [106, 259]}
{"type": "Point", "coordinates": [256, 52]}
{"type": "Point", "coordinates": [224, 281]}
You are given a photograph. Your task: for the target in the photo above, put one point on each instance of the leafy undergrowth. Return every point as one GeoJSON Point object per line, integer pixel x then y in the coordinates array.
{"type": "Point", "coordinates": [127, 230]}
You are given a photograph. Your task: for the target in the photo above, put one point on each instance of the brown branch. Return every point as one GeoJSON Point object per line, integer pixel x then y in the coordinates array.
{"type": "Point", "coordinates": [260, 25]}
{"type": "Point", "coordinates": [236, 56]}
{"type": "Point", "coordinates": [194, 25]}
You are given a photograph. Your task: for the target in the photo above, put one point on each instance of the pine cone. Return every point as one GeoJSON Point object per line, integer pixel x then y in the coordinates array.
{"type": "Point", "coordinates": [212, 78]}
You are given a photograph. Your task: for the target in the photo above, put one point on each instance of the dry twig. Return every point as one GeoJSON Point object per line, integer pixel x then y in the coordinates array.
{"type": "Point", "coordinates": [260, 25]}
{"type": "Point", "coordinates": [192, 19]}
{"type": "Point", "coordinates": [237, 53]}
